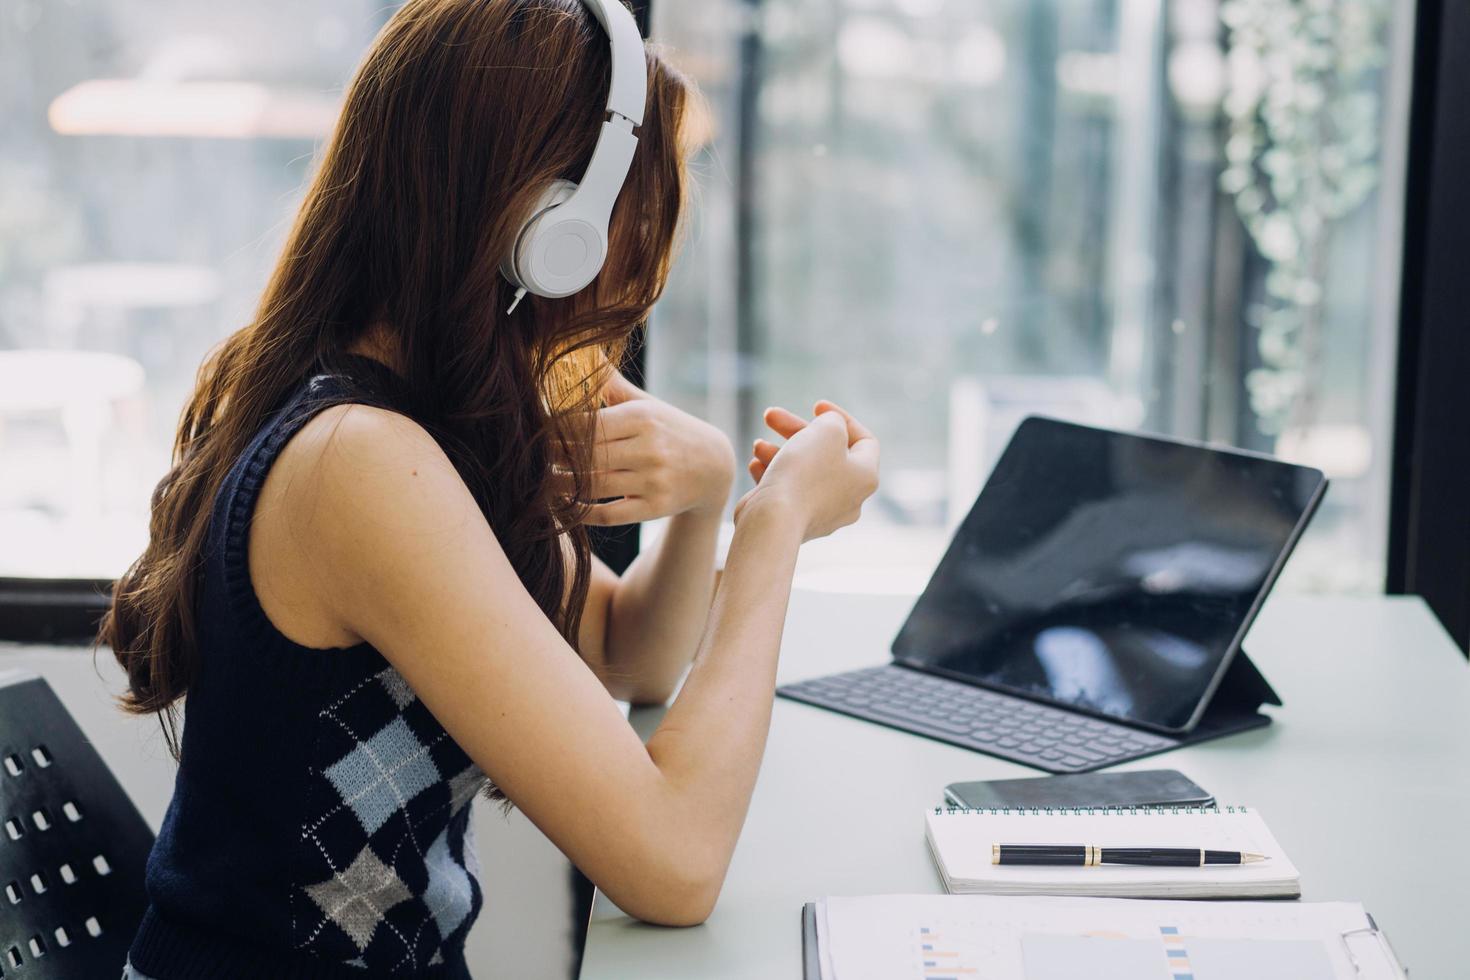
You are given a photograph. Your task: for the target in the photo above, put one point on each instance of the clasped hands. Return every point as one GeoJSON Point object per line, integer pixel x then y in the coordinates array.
{"type": "Point", "coordinates": [651, 460]}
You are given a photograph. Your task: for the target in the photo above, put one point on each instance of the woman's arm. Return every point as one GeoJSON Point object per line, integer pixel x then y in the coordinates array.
{"type": "Point", "coordinates": [406, 561]}
{"type": "Point", "coordinates": [640, 631]}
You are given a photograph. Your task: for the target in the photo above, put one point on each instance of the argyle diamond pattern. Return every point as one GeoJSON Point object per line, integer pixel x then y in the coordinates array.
{"type": "Point", "coordinates": [389, 874]}
{"type": "Point", "coordinates": [357, 898]}
{"type": "Point", "coordinates": [380, 776]}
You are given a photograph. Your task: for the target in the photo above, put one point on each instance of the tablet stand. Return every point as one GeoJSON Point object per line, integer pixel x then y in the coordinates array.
{"type": "Point", "coordinates": [1236, 704]}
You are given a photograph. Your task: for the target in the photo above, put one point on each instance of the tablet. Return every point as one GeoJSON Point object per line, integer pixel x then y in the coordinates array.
{"type": "Point", "coordinates": [1110, 572]}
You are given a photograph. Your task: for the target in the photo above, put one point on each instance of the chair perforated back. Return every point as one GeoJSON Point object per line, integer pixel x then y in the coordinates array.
{"type": "Point", "coordinates": [72, 845]}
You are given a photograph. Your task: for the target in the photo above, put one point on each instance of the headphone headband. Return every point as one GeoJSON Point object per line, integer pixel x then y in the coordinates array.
{"type": "Point", "coordinates": [563, 246]}
{"type": "Point", "coordinates": [629, 90]}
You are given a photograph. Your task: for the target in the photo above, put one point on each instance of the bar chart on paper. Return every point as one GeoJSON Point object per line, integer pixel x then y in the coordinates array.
{"type": "Point", "coordinates": [988, 938]}
{"type": "Point", "coordinates": [943, 955]}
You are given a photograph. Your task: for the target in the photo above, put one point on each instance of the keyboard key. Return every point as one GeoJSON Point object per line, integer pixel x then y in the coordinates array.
{"type": "Point", "coordinates": [1073, 760]}
{"type": "Point", "coordinates": [1091, 755]}
{"type": "Point", "coordinates": [942, 723]}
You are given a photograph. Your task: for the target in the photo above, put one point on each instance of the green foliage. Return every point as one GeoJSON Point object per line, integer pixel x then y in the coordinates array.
{"type": "Point", "coordinates": [1303, 103]}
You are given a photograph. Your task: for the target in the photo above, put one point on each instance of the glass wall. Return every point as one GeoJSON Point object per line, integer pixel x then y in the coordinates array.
{"type": "Point", "coordinates": [1178, 215]}
{"type": "Point", "coordinates": [1175, 216]}
{"type": "Point", "coordinates": [151, 158]}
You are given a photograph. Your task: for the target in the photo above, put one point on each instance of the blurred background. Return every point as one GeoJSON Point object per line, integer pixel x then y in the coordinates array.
{"type": "Point", "coordinates": [1187, 217]}
{"type": "Point", "coordinates": [1178, 216]}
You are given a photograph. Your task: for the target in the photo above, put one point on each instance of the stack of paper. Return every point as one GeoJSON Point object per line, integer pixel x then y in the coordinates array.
{"type": "Point", "coordinates": [961, 842]}
{"type": "Point", "coordinates": [928, 937]}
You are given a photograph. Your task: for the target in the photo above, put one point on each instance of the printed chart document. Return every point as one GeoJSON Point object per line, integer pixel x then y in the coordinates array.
{"type": "Point", "coordinates": [970, 937]}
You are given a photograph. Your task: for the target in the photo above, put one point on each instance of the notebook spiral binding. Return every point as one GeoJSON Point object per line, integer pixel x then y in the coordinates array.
{"type": "Point", "coordinates": [1086, 810]}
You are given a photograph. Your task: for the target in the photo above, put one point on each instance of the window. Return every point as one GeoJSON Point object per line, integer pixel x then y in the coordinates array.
{"type": "Point", "coordinates": [1180, 216]}
{"type": "Point", "coordinates": [944, 215]}
{"type": "Point", "coordinates": [150, 162]}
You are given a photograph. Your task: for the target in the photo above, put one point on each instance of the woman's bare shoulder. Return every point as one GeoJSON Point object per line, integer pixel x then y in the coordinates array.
{"type": "Point", "coordinates": [354, 485]}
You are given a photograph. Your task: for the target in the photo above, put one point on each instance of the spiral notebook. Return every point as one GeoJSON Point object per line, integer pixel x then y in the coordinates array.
{"type": "Point", "coordinates": [961, 839]}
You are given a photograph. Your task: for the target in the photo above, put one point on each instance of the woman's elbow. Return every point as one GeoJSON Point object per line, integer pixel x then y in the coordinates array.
{"type": "Point", "coordinates": [680, 897]}
{"type": "Point", "coordinates": [680, 908]}
{"type": "Point", "coordinates": [641, 689]}
{"type": "Point", "coordinates": [650, 688]}
{"type": "Point", "coordinates": [653, 693]}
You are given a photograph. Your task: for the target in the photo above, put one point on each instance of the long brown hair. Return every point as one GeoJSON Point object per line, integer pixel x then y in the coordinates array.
{"type": "Point", "coordinates": [461, 114]}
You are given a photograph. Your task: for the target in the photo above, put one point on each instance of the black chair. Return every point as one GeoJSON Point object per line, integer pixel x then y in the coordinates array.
{"type": "Point", "coordinates": [72, 845]}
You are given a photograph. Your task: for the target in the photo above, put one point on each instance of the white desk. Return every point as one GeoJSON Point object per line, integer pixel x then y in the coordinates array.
{"type": "Point", "coordinates": [1364, 778]}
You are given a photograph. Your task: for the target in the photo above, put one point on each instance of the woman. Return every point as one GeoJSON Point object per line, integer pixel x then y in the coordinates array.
{"type": "Point", "coordinates": [369, 569]}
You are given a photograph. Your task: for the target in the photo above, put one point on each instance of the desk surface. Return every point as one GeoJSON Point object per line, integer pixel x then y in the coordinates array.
{"type": "Point", "coordinates": [1372, 746]}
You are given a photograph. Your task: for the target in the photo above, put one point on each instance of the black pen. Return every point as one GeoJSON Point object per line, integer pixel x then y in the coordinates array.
{"type": "Point", "coordinates": [1085, 855]}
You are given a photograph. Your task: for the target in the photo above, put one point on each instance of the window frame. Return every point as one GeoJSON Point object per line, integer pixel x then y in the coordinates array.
{"type": "Point", "coordinates": [38, 610]}
{"type": "Point", "coordinates": [1429, 533]}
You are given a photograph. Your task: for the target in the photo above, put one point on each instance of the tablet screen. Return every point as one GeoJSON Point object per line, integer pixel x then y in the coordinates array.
{"type": "Point", "coordinates": [1109, 572]}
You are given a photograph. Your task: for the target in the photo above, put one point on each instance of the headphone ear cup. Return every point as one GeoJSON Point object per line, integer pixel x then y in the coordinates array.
{"type": "Point", "coordinates": [559, 192]}
{"type": "Point", "coordinates": [560, 251]}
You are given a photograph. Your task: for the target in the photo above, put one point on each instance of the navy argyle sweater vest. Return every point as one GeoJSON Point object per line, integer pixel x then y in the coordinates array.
{"type": "Point", "coordinates": [320, 820]}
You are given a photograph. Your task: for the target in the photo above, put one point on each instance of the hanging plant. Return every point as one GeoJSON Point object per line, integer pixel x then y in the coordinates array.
{"type": "Point", "coordinates": [1303, 102]}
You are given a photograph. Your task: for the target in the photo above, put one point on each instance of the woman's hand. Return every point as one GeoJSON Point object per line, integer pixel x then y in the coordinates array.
{"type": "Point", "coordinates": [658, 460]}
{"type": "Point", "coordinates": [824, 472]}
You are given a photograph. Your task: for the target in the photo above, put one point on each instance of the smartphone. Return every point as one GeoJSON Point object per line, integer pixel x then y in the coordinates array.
{"type": "Point", "coordinates": [1149, 787]}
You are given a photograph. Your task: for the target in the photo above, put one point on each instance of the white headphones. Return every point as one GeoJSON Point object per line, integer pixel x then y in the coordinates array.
{"type": "Point", "coordinates": [563, 245]}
